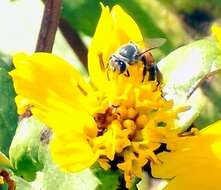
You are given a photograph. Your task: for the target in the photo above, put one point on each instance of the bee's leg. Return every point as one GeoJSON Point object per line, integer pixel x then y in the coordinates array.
{"type": "Point", "coordinates": [127, 74]}
{"type": "Point", "coordinates": [152, 72]}
{"type": "Point", "coordinates": [159, 76]}
{"type": "Point", "coordinates": [155, 74]}
{"type": "Point", "coordinates": [144, 70]}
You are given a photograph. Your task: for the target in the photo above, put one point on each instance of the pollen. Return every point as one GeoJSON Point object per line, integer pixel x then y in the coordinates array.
{"type": "Point", "coordinates": [141, 120]}
{"type": "Point", "coordinates": [129, 131]}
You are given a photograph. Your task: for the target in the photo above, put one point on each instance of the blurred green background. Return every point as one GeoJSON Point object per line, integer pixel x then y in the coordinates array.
{"type": "Point", "coordinates": [179, 21]}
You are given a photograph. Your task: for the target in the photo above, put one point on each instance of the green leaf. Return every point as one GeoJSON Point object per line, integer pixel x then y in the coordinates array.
{"type": "Point", "coordinates": [211, 111]}
{"type": "Point", "coordinates": [96, 178]}
{"type": "Point", "coordinates": [4, 187]}
{"type": "Point", "coordinates": [27, 151]}
{"type": "Point", "coordinates": [21, 184]}
{"type": "Point", "coordinates": [183, 68]}
{"type": "Point", "coordinates": [53, 178]}
{"type": "Point", "coordinates": [8, 112]}
{"type": "Point", "coordinates": [5, 62]}
{"type": "Point", "coordinates": [108, 179]}
{"type": "Point", "coordinates": [135, 183]}
{"type": "Point", "coordinates": [144, 183]}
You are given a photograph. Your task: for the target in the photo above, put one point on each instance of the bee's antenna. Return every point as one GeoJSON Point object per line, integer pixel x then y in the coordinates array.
{"type": "Point", "coordinates": [146, 51]}
{"type": "Point", "coordinates": [153, 43]}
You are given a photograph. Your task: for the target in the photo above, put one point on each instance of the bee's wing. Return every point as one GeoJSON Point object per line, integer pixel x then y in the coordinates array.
{"type": "Point", "coordinates": [152, 43]}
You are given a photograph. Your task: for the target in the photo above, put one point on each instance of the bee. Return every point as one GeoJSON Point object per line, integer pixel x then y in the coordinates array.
{"type": "Point", "coordinates": [130, 54]}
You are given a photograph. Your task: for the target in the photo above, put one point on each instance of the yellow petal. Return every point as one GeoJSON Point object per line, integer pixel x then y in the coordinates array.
{"type": "Point", "coordinates": [4, 161]}
{"type": "Point", "coordinates": [64, 119]}
{"type": "Point", "coordinates": [22, 104]}
{"type": "Point", "coordinates": [194, 162]}
{"type": "Point", "coordinates": [72, 152]}
{"type": "Point", "coordinates": [216, 32]}
{"type": "Point", "coordinates": [114, 29]}
{"type": "Point", "coordinates": [41, 76]}
{"type": "Point", "coordinates": [72, 130]}
{"type": "Point", "coordinates": [96, 61]}
{"type": "Point", "coordinates": [125, 27]}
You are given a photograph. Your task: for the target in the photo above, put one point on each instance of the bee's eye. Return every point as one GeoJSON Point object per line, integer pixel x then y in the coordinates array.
{"type": "Point", "coordinates": [122, 66]}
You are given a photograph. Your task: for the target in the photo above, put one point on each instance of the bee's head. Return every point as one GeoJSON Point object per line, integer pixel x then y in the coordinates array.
{"type": "Point", "coordinates": [117, 65]}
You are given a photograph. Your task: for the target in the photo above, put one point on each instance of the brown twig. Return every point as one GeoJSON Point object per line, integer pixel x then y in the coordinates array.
{"type": "Point", "coordinates": [199, 84]}
{"type": "Point", "coordinates": [74, 41]}
{"type": "Point", "coordinates": [49, 26]}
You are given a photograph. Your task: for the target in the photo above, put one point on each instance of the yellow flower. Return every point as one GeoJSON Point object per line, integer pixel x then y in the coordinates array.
{"type": "Point", "coordinates": [216, 32]}
{"type": "Point", "coordinates": [1, 180]}
{"type": "Point", "coordinates": [194, 162]}
{"type": "Point", "coordinates": [110, 117]}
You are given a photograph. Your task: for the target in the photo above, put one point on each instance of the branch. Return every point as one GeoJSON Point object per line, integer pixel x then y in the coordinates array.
{"type": "Point", "coordinates": [201, 81]}
{"type": "Point", "coordinates": [74, 41]}
{"type": "Point", "coordinates": [49, 26]}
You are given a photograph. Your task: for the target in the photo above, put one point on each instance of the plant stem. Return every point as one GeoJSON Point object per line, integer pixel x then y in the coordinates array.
{"type": "Point", "coordinates": [201, 81]}
{"type": "Point", "coordinates": [74, 41]}
{"type": "Point", "coordinates": [49, 26]}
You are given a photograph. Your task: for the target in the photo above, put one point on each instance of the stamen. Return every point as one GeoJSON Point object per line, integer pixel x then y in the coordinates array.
{"type": "Point", "coordinates": [82, 90]}
{"type": "Point", "coordinates": [104, 119]}
{"type": "Point", "coordinates": [132, 113]}
{"type": "Point", "coordinates": [141, 121]}
{"type": "Point", "coordinates": [93, 85]}
{"type": "Point", "coordinates": [115, 106]}
{"type": "Point", "coordinates": [102, 65]}
{"type": "Point", "coordinates": [192, 132]}
{"type": "Point", "coordinates": [128, 130]}
{"type": "Point", "coordinates": [27, 112]}
{"type": "Point", "coordinates": [101, 61]}
{"type": "Point", "coordinates": [108, 76]}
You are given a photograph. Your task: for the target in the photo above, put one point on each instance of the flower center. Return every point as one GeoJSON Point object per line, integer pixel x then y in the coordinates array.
{"type": "Point", "coordinates": [132, 126]}
{"type": "Point", "coordinates": [105, 119]}
{"type": "Point", "coordinates": [128, 118]}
